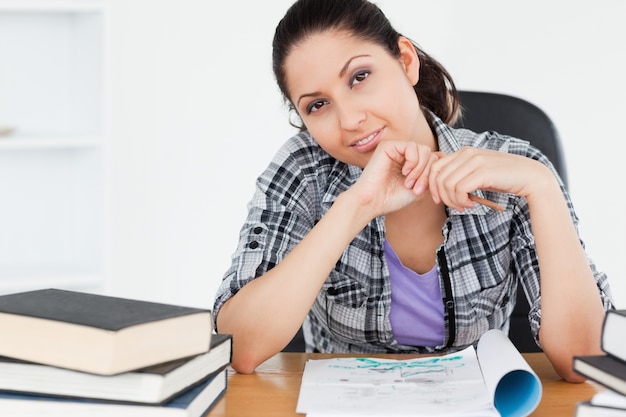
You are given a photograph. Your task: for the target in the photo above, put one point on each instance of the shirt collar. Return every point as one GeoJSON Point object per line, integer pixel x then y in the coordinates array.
{"type": "Point", "coordinates": [446, 138]}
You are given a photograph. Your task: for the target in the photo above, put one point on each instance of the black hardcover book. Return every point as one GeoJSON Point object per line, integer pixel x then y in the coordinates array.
{"type": "Point", "coordinates": [605, 403]}
{"type": "Point", "coordinates": [152, 385]}
{"type": "Point", "coordinates": [603, 369]}
{"type": "Point", "coordinates": [194, 402]}
{"type": "Point", "coordinates": [99, 334]}
{"type": "Point", "coordinates": [587, 409]}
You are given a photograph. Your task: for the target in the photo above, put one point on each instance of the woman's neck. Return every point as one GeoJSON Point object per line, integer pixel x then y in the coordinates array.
{"type": "Point", "coordinates": [414, 232]}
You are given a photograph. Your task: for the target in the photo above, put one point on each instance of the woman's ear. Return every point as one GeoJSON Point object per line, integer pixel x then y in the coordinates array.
{"type": "Point", "coordinates": [409, 60]}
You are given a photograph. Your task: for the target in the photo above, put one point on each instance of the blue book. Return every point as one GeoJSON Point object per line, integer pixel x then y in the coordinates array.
{"type": "Point", "coordinates": [194, 402]}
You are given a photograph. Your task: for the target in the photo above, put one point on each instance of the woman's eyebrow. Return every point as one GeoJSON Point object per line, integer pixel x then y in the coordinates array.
{"type": "Point", "coordinates": [313, 94]}
{"type": "Point", "coordinates": [345, 67]}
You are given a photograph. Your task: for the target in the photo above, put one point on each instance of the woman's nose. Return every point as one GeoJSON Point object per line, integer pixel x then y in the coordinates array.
{"type": "Point", "coordinates": [351, 117]}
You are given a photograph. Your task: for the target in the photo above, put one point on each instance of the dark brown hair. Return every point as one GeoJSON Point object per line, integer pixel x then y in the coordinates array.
{"type": "Point", "coordinates": [435, 90]}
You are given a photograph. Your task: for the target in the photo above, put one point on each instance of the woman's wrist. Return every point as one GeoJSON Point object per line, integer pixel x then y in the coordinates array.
{"type": "Point", "coordinates": [543, 187]}
{"type": "Point", "coordinates": [359, 207]}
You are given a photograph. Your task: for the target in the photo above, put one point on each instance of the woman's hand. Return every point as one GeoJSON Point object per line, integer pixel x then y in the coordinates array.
{"type": "Point", "coordinates": [396, 175]}
{"type": "Point", "coordinates": [454, 176]}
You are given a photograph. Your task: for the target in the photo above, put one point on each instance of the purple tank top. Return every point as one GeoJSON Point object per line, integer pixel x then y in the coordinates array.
{"type": "Point", "coordinates": [416, 305]}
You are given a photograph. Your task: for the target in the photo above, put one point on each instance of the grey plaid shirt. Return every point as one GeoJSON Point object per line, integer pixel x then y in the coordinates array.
{"type": "Point", "coordinates": [482, 257]}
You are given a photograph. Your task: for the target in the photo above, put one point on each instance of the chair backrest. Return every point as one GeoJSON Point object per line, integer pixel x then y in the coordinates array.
{"type": "Point", "coordinates": [516, 117]}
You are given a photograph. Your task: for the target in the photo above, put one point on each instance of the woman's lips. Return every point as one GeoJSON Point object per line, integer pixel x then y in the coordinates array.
{"type": "Point", "coordinates": [368, 143]}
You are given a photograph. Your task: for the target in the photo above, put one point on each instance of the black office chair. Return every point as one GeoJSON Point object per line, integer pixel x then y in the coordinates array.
{"type": "Point", "coordinates": [297, 344]}
{"type": "Point", "coordinates": [515, 117]}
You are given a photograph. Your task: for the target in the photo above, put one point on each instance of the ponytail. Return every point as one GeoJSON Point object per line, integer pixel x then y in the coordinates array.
{"type": "Point", "coordinates": [436, 90]}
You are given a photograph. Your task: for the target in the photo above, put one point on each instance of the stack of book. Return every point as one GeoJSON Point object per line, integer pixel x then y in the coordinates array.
{"type": "Point", "coordinates": [71, 353]}
{"type": "Point", "coordinates": [607, 369]}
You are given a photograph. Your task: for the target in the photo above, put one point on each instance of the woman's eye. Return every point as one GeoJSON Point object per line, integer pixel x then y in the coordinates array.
{"type": "Point", "coordinates": [316, 106]}
{"type": "Point", "coordinates": [359, 77]}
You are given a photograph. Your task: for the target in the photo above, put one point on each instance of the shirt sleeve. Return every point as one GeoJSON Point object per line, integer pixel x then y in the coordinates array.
{"type": "Point", "coordinates": [280, 214]}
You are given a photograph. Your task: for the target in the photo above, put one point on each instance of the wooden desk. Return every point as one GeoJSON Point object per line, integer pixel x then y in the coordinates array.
{"type": "Point", "coordinates": [273, 390]}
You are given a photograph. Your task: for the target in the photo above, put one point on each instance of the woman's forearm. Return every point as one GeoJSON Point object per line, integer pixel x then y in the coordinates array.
{"type": "Point", "coordinates": [265, 314]}
{"type": "Point", "coordinates": [571, 307]}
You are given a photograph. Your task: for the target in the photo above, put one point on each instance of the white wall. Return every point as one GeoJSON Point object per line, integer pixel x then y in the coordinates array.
{"type": "Point", "coordinates": [196, 116]}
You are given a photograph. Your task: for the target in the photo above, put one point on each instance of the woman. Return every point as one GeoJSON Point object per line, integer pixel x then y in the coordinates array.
{"type": "Point", "coordinates": [364, 226]}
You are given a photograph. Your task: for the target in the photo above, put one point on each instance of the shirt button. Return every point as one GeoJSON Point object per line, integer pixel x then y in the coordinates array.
{"type": "Point", "coordinates": [257, 230]}
{"type": "Point", "coordinates": [253, 245]}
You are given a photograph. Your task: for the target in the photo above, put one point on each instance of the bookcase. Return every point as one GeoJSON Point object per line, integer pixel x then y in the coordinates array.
{"type": "Point", "coordinates": [53, 160]}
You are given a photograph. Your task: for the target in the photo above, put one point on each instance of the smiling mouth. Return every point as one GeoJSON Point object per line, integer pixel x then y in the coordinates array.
{"type": "Point", "coordinates": [366, 140]}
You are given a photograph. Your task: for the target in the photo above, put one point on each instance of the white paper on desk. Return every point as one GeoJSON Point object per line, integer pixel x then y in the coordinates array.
{"type": "Point", "coordinates": [502, 384]}
{"type": "Point", "coordinates": [450, 385]}
{"type": "Point", "coordinates": [515, 388]}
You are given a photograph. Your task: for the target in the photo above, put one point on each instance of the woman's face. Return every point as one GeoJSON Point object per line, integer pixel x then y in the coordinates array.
{"type": "Point", "coordinates": [352, 94]}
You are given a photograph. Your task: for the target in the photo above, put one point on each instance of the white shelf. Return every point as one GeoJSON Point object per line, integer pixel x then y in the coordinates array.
{"type": "Point", "coordinates": [51, 6]}
{"type": "Point", "coordinates": [51, 73]}
{"type": "Point", "coordinates": [53, 167]}
{"type": "Point", "coordinates": [50, 142]}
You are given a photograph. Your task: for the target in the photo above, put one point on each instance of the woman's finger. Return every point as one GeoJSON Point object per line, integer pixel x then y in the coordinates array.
{"type": "Point", "coordinates": [421, 182]}
{"type": "Point", "coordinates": [417, 166]}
